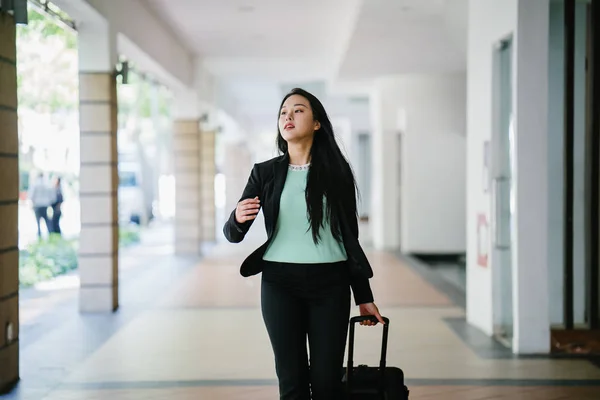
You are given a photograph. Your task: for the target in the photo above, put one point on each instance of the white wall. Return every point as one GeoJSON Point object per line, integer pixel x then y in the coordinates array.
{"type": "Point", "coordinates": [356, 109]}
{"type": "Point", "coordinates": [489, 22]}
{"type": "Point", "coordinates": [356, 114]}
{"type": "Point", "coordinates": [427, 213]}
{"type": "Point", "coordinates": [342, 128]}
{"type": "Point", "coordinates": [433, 162]}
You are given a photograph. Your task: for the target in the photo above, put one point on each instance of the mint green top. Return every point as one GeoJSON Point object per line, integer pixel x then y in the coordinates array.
{"type": "Point", "coordinates": [292, 240]}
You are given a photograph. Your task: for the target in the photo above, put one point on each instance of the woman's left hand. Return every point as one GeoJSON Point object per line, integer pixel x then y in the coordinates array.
{"type": "Point", "coordinates": [370, 309]}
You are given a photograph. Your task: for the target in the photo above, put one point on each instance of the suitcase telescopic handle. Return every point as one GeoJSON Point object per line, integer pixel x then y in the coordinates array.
{"type": "Point", "coordinates": [382, 361]}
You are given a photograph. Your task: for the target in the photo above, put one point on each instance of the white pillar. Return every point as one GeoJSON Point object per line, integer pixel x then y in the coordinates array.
{"type": "Point", "coordinates": [530, 275]}
{"type": "Point", "coordinates": [99, 237]}
{"type": "Point", "coordinates": [385, 210]}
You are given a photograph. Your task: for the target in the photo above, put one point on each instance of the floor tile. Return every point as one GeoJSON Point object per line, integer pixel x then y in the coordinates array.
{"type": "Point", "coordinates": [271, 393]}
{"type": "Point", "coordinates": [202, 336]}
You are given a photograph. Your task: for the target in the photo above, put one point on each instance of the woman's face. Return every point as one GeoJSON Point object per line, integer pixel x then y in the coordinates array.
{"type": "Point", "coordinates": [296, 120]}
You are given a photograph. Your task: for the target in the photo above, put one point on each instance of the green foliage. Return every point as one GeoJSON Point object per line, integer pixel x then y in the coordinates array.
{"type": "Point", "coordinates": [47, 75]}
{"type": "Point", "coordinates": [47, 258]}
{"type": "Point", "coordinates": [47, 27]}
{"type": "Point", "coordinates": [128, 235]}
{"type": "Point", "coordinates": [141, 103]}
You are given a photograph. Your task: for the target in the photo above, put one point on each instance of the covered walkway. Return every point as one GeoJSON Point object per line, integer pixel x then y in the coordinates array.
{"type": "Point", "coordinates": [448, 110]}
{"type": "Point", "coordinates": [192, 329]}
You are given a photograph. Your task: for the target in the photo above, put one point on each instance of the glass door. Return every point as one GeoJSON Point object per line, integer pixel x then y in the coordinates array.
{"type": "Point", "coordinates": [502, 153]}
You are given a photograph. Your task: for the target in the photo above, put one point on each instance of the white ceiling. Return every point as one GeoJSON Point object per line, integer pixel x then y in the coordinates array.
{"type": "Point", "coordinates": [259, 48]}
{"type": "Point", "coordinates": [403, 36]}
{"type": "Point", "coordinates": [290, 39]}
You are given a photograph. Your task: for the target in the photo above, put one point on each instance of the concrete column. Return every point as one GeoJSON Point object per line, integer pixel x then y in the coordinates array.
{"type": "Point", "coordinates": [186, 156]}
{"type": "Point", "coordinates": [207, 185]}
{"type": "Point", "coordinates": [9, 200]}
{"type": "Point", "coordinates": [385, 195]}
{"type": "Point", "coordinates": [99, 238]}
{"type": "Point", "coordinates": [530, 254]}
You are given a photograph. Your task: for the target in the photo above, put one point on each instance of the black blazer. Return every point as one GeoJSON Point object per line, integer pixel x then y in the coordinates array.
{"type": "Point", "coordinates": [266, 181]}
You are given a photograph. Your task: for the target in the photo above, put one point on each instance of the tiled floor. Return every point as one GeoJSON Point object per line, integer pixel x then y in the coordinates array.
{"type": "Point", "coordinates": [270, 392]}
{"type": "Point", "coordinates": [194, 331]}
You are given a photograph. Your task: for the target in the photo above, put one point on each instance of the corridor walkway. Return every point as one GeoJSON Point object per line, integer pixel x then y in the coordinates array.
{"type": "Point", "coordinates": [193, 330]}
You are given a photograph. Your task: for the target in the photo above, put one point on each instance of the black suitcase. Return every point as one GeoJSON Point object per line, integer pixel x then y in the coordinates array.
{"type": "Point", "coordinates": [364, 382]}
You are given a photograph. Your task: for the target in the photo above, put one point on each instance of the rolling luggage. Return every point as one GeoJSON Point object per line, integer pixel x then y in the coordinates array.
{"type": "Point", "coordinates": [364, 382]}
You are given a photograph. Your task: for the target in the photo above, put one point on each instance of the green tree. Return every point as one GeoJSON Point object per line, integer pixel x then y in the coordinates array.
{"type": "Point", "coordinates": [47, 72]}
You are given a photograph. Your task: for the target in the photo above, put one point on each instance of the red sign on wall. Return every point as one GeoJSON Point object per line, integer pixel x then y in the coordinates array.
{"type": "Point", "coordinates": [482, 240]}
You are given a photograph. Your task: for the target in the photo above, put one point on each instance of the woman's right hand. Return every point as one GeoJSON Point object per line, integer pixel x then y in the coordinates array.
{"type": "Point", "coordinates": [247, 210]}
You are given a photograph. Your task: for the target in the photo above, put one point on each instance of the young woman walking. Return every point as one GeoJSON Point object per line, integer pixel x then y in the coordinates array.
{"type": "Point", "coordinates": [312, 256]}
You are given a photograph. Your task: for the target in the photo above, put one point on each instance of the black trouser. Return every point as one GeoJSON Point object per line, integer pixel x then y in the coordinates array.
{"type": "Point", "coordinates": [42, 213]}
{"type": "Point", "coordinates": [300, 300]}
{"type": "Point", "coordinates": [56, 214]}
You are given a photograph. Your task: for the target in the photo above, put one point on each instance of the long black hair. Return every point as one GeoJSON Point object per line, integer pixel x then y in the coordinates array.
{"type": "Point", "coordinates": [330, 176]}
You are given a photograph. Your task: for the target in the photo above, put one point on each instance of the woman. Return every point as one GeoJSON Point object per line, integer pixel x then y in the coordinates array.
{"type": "Point", "coordinates": [312, 255]}
{"type": "Point", "coordinates": [57, 206]}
